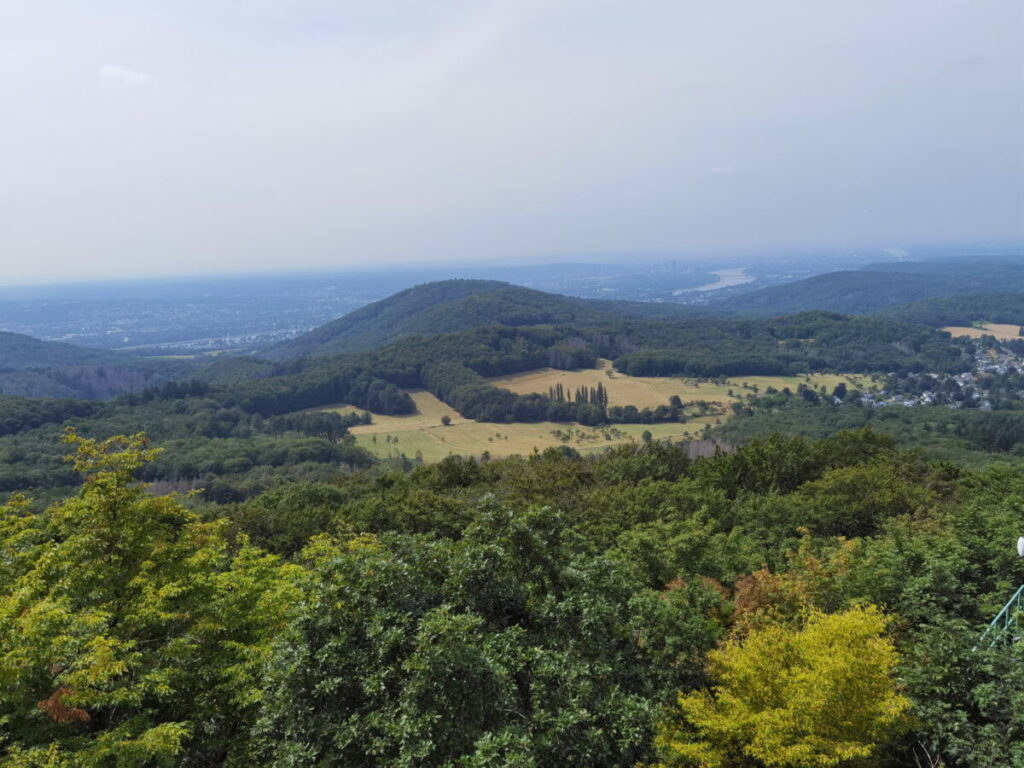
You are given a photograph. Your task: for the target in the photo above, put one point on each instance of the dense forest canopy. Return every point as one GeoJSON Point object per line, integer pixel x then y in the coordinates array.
{"type": "Point", "coordinates": [788, 604]}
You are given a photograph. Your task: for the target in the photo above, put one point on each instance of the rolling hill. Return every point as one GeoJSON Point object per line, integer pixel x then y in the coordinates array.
{"type": "Point", "coordinates": [855, 292]}
{"type": "Point", "coordinates": [880, 286]}
{"type": "Point", "coordinates": [451, 306]}
{"type": "Point", "coordinates": [960, 310]}
{"type": "Point", "coordinates": [31, 367]}
{"type": "Point", "coordinates": [18, 351]}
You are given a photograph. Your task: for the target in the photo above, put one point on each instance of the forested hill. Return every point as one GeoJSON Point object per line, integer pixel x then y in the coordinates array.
{"type": "Point", "coordinates": [960, 310]}
{"type": "Point", "coordinates": [20, 351]}
{"type": "Point", "coordinates": [848, 292]}
{"type": "Point", "coordinates": [880, 286]}
{"type": "Point", "coordinates": [36, 368]}
{"type": "Point", "coordinates": [432, 308]}
{"type": "Point", "coordinates": [451, 306]}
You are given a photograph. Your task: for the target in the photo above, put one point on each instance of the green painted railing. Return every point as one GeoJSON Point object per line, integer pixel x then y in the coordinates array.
{"type": "Point", "coordinates": [1004, 625]}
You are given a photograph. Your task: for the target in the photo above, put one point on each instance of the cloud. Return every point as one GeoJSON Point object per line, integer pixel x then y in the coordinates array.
{"type": "Point", "coordinates": [329, 132]}
{"type": "Point", "coordinates": [113, 76]}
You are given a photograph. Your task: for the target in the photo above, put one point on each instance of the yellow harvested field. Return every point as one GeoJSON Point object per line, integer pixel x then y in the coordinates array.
{"type": "Point", "coordinates": [471, 438]}
{"type": "Point", "coordinates": [650, 392]}
{"type": "Point", "coordinates": [429, 411]}
{"type": "Point", "coordinates": [422, 432]}
{"type": "Point", "coordinates": [1000, 331]}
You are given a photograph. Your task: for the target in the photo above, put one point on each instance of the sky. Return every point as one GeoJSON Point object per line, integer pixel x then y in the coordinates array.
{"type": "Point", "coordinates": [206, 136]}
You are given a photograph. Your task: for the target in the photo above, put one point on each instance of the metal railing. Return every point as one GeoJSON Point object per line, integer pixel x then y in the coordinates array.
{"type": "Point", "coordinates": [1005, 622]}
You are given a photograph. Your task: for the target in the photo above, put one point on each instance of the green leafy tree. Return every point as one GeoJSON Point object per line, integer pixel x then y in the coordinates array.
{"type": "Point", "coordinates": [131, 632]}
{"type": "Point", "coordinates": [514, 646]}
{"type": "Point", "coordinates": [968, 700]}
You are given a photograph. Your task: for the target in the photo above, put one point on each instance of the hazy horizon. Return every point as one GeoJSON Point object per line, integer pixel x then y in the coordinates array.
{"type": "Point", "coordinates": [147, 139]}
{"type": "Point", "coordinates": [832, 259]}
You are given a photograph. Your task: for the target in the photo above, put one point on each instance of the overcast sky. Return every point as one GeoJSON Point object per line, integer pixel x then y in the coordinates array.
{"type": "Point", "coordinates": [190, 136]}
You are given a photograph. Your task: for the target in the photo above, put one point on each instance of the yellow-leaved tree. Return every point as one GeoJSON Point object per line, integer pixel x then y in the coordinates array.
{"type": "Point", "coordinates": [132, 632]}
{"type": "Point", "coordinates": [819, 695]}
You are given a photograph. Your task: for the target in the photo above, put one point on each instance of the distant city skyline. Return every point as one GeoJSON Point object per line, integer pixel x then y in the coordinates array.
{"type": "Point", "coordinates": [150, 139]}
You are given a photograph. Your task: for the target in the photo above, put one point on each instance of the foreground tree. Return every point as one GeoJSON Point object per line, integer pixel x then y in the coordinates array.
{"type": "Point", "coordinates": [968, 698]}
{"type": "Point", "coordinates": [513, 646]}
{"type": "Point", "coordinates": [820, 695]}
{"type": "Point", "coordinates": [131, 633]}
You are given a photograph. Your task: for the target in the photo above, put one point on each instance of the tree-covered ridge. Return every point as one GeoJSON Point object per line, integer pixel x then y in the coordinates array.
{"type": "Point", "coordinates": [20, 351]}
{"type": "Point", "coordinates": [960, 310]}
{"type": "Point", "coordinates": [451, 306]}
{"type": "Point", "coordinates": [375, 324]}
{"type": "Point", "coordinates": [462, 305]}
{"type": "Point", "coordinates": [229, 453]}
{"type": "Point", "coordinates": [968, 436]}
{"type": "Point", "coordinates": [854, 291]}
{"type": "Point", "coordinates": [808, 342]}
{"type": "Point", "coordinates": [18, 414]}
{"type": "Point", "coordinates": [789, 604]}
{"type": "Point", "coordinates": [880, 286]}
{"type": "Point", "coordinates": [31, 367]}
{"type": "Point", "coordinates": [458, 305]}
{"type": "Point", "coordinates": [436, 308]}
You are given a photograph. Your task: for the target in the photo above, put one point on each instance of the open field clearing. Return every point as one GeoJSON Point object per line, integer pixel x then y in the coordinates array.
{"type": "Point", "coordinates": [1000, 331]}
{"type": "Point", "coordinates": [429, 411]}
{"type": "Point", "coordinates": [423, 434]}
{"type": "Point", "coordinates": [471, 438]}
{"type": "Point", "coordinates": [650, 392]}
